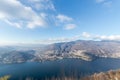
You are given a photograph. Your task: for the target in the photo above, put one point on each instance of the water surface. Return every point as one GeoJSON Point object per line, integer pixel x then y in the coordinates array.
{"type": "Point", "coordinates": [65, 67]}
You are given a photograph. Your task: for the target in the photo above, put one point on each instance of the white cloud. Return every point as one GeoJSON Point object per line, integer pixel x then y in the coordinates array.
{"type": "Point", "coordinates": [63, 18]}
{"type": "Point", "coordinates": [65, 21]}
{"type": "Point", "coordinates": [36, 23]}
{"type": "Point", "coordinates": [106, 3]}
{"type": "Point", "coordinates": [34, 0]}
{"type": "Point", "coordinates": [101, 37]}
{"type": "Point", "coordinates": [15, 13]}
{"type": "Point", "coordinates": [111, 37]}
{"type": "Point", "coordinates": [86, 35]}
{"type": "Point", "coordinates": [70, 26]}
{"type": "Point", "coordinates": [57, 40]}
{"type": "Point", "coordinates": [13, 23]}
{"type": "Point", "coordinates": [42, 4]}
{"type": "Point", "coordinates": [18, 14]}
{"type": "Point", "coordinates": [83, 36]}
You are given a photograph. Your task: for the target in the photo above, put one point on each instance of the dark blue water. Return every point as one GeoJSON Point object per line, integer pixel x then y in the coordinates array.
{"type": "Point", "coordinates": [65, 67]}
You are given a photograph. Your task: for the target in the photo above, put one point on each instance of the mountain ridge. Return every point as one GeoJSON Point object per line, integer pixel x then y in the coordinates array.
{"type": "Point", "coordinates": [84, 49]}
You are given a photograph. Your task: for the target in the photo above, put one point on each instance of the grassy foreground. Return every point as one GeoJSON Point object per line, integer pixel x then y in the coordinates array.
{"type": "Point", "coordinates": [110, 75]}
{"type": "Point", "coordinates": [5, 77]}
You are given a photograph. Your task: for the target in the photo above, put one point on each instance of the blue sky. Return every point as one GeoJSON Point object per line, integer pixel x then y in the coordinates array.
{"type": "Point", "coordinates": [49, 21]}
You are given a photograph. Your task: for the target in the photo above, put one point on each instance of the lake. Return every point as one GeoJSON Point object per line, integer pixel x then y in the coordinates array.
{"type": "Point", "coordinates": [64, 67]}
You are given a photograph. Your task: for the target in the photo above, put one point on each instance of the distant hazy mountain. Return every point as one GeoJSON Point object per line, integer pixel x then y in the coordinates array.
{"type": "Point", "coordinates": [86, 50]}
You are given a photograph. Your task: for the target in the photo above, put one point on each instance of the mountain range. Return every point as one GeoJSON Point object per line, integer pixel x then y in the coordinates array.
{"type": "Point", "coordinates": [82, 49]}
